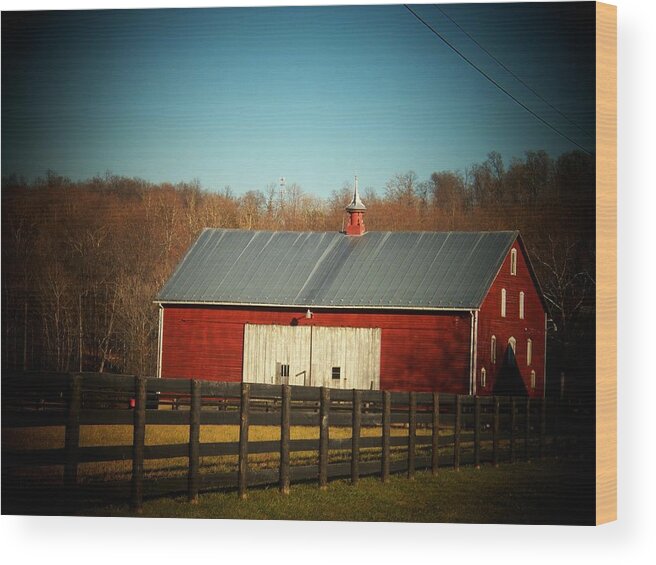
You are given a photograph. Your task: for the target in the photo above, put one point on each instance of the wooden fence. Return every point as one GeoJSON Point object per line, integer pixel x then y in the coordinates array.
{"type": "Point", "coordinates": [406, 431]}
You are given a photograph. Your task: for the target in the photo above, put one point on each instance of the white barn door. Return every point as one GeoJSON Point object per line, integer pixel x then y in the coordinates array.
{"type": "Point", "coordinates": [276, 354]}
{"type": "Point", "coordinates": [312, 356]}
{"type": "Point", "coordinates": [346, 357]}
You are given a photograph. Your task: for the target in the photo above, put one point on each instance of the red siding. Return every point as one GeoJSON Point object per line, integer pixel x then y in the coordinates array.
{"type": "Point", "coordinates": [419, 351]}
{"type": "Point", "coordinates": [532, 326]}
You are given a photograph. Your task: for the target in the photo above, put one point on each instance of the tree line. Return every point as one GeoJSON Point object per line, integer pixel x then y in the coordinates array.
{"type": "Point", "coordinates": [82, 261]}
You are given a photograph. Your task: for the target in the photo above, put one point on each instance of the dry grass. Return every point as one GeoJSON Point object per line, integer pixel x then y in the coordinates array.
{"type": "Point", "coordinates": [113, 435]}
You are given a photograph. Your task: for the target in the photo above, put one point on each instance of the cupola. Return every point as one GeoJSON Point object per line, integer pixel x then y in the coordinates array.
{"type": "Point", "coordinates": [356, 210]}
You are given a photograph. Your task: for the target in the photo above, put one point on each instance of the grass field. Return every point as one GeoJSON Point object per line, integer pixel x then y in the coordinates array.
{"type": "Point", "coordinates": [548, 492]}
{"type": "Point", "coordinates": [544, 492]}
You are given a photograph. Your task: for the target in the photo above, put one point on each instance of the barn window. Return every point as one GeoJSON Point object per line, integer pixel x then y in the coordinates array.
{"type": "Point", "coordinates": [284, 370]}
{"type": "Point", "coordinates": [521, 305]}
{"type": "Point", "coordinates": [493, 349]}
{"type": "Point", "coordinates": [513, 343]}
{"type": "Point", "coordinates": [337, 373]}
{"type": "Point", "coordinates": [513, 261]}
{"type": "Point", "coordinates": [483, 377]}
{"type": "Point", "coordinates": [503, 302]}
{"type": "Point", "coordinates": [532, 379]}
{"type": "Point", "coordinates": [529, 351]}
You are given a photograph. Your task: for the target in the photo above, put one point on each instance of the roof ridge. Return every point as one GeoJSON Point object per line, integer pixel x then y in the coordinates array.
{"type": "Point", "coordinates": [366, 233]}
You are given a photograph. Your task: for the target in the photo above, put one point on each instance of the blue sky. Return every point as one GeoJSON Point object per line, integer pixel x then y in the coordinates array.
{"type": "Point", "coordinates": [241, 97]}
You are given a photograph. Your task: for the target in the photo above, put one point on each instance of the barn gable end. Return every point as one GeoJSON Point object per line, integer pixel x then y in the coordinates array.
{"type": "Point", "coordinates": [526, 333]}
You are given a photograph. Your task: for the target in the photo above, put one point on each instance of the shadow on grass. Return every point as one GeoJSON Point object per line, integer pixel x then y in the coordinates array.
{"type": "Point", "coordinates": [542, 492]}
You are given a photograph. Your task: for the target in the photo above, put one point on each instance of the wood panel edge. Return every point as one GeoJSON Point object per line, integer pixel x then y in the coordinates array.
{"type": "Point", "coordinates": [606, 244]}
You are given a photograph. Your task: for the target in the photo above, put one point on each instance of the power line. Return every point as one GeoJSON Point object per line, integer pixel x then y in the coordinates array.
{"type": "Point", "coordinates": [501, 64]}
{"type": "Point", "coordinates": [495, 83]}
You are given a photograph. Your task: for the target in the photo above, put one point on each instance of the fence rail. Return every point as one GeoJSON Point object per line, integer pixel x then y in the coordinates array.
{"type": "Point", "coordinates": [413, 430]}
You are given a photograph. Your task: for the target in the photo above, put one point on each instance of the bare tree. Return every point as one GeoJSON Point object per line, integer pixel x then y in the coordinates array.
{"type": "Point", "coordinates": [569, 289]}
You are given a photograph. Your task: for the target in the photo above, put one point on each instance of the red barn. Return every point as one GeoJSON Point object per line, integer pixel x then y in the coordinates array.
{"type": "Point", "coordinates": [458, 312]}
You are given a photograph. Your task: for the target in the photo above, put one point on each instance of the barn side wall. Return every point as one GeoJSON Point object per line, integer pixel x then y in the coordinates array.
{"type": "Point", "coordinates": [531, 327]}
{"type": "Point", "coordinates": [419, 351]}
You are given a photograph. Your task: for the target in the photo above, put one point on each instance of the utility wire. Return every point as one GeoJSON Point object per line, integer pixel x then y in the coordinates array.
{"type": "Point", "coordinates": [500, 63]}
{"type": "Point", "coordinates": [495, 83]}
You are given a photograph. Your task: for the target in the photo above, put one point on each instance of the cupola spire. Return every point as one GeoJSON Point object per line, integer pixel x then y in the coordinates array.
{"type": "Point", "coordinates": [356, 210]}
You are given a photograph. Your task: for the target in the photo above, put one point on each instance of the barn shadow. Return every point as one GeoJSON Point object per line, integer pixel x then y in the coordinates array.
{"type": "Point", "coordinates": [509, 380]}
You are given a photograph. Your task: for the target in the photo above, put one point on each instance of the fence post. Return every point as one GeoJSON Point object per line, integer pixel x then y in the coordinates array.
{"type": "Point", "coordinates": [527, 431]}
{"type": "Point", "coordinates": [495, 433]}
{"type": "Point", "coordinates": [324, 432]}
{"type": "Point", "coordinates": [355, 436]}
{"type": "Point", "coordinates": [513, 423]}
{"type": "Point", "coordinates": [412, 433]}
{"type": "Point", "coordinates": [477, 432]}
{"type": "Point", "coordinates": [138, 442]}
{"type": "Point", "coordinates": [285, 416]}
{"type": "Point", "coordinates": [194, 440]}
{"type": "Point", "coordinates": [435, 439]}
{"type": "Point", "coordinates": [456, 434]}
{"type": "Point", "coordinates": [243, 439]}
{"type": "Point", "coordinates": [72, 434]}
{"type": "Point", "coordinates": [387, 418]}
{"type": "Point", "coordinates": [543, 425]}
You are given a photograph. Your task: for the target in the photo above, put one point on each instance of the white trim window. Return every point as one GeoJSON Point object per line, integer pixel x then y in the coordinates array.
{"type": "Point", "coordinates": [513, 262]}
{"type": "Point", "coordinates": [503, 302]}
{"type": "Point", "coordinates": [493, 349]}
{"type": "Point", "coordinates": [483, 377]}
{"type": "Point", "coordinates": [521, 305]}
{"type": "Point", "coordinates": [513, 343]}
{"type": "Point", "coordinates": [533, 379]}
{"type": "Point", "coordinates": [529, 352]}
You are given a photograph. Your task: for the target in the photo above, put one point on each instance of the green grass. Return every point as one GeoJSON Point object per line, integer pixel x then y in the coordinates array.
{"type": "Point", "coordinates": [546, 492]}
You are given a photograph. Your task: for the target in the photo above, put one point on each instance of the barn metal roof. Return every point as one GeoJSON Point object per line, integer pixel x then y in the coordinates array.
{"type": "Point", "coordinates": [410, 270]}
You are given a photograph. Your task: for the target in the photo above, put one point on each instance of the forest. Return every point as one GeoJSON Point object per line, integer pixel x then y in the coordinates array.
{"type": "Point", "coordinates": [82, 261]}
